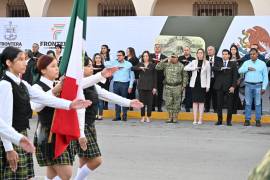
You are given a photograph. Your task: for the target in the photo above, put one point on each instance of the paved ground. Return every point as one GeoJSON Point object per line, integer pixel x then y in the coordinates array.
{"type": "Point", "coordinates": [159, 151]}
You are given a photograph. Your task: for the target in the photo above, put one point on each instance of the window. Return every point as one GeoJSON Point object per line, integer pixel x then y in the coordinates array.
{"type": "Point", "coordinates": [116, 8]}
{"type": "Point", "coordinates": [215, 8]}
{"type": "Point", "coordinates": [17, 8]}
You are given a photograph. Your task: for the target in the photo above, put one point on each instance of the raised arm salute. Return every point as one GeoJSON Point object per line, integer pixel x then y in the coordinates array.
{"type": "Point", "coordinates": [87, 148]}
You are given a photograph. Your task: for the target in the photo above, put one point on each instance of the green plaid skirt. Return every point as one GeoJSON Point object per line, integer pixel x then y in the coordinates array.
{"type": "Point", "coordinates": [92, 145]}
{"type": "Point", "coordinates": [67, 158]}
{"type": "Point", "coordinates": [25, 169]}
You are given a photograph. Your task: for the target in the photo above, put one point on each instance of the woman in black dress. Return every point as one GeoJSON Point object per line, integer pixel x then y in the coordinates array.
{"type": "Point", "coordinates": [199, 82]}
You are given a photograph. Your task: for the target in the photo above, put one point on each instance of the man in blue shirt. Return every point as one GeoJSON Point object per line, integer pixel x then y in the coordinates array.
{"type": "Point", "coordinates": [122, 81]}
{"type": "Point", "coordinates": [256, 81]}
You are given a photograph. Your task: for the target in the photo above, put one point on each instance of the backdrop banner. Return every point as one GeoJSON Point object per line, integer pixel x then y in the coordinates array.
{"type": "Point", "coordinates": [174, 33]}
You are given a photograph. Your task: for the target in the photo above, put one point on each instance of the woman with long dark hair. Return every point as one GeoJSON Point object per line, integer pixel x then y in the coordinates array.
{"type": "Point", "coordinates": [105, 53]}
{"type": "Point", "coordinates": [147, 83]}
{"type": "Point", "coordinates": [235, 54]}
{"type": "Point", "coordinates": [237, 102]}
{"type": "Point", "coordinates": [98, 66]}
{"type": "Point", "coordinates": [131, 57]}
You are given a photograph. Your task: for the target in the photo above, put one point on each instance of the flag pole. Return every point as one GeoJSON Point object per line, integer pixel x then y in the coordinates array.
{"type": "Point", "coordinates": [51, 133]}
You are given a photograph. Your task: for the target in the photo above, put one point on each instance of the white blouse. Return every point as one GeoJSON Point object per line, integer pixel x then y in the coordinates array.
{"type": "Point", "coordinates": [205, 73]}
{"type": "Point", "coordinates": [9, 133]}
{"type": "Point", "coordinates": [36, 106]}
{"type": "Point", "coordinates": [86, 82]}
{"type": "Point", "coordinates": [36, 95]}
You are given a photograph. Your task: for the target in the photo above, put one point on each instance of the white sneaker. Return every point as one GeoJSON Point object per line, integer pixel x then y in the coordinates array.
{"type": "Point", "coordinates": [200, 122]}
{"type": "Point", "coordinates": [195, 123]}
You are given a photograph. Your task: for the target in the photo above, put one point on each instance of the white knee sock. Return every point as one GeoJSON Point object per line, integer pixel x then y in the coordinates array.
{"type": "Point", "coordinates": [83, 173]}
{"type": "Point", "coordinates": [56, 178]}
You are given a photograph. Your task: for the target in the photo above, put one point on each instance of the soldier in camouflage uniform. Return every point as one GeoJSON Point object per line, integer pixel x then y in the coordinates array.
{"type": "Point", "coordinates": [262, 171]}
{"type": "Point", "coordinates": [174, 83]}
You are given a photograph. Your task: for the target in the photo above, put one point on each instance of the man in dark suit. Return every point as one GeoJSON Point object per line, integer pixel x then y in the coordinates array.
{"type": "Point", "coordinates": [158, 99]}
{"type": "Point", "coordinates": [226, 82]}
{"type": "Point", "coordinates": [185, 59]}
{"type": "Point", "coordinates": [31, 71]}
{"type": "Point", "coordinates": [35, 51]}
{"type": "Point", "coordinates": [211, 97]}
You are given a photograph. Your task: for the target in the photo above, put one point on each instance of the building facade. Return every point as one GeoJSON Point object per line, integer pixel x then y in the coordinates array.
{"type": "Point", "coordinates": [62, 8]}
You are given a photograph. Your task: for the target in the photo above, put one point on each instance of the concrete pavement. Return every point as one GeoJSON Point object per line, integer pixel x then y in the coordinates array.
{"type": "Point", "coordinates": [159, 151]}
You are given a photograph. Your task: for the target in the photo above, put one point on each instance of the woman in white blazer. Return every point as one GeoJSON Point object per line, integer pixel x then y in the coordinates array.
{"type": "Point", "coordinates": [199, 82]}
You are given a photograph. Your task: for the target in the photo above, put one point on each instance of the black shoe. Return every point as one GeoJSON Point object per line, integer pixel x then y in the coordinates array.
{"type": "Point", "coordinates": [116, 119]}
{"type": "Point", "coordinates": [247, 123]}
{"type": "Point", "coordinates": [159, 110]}
{"type": "Point", "coordinates": [187, 110]}
{"type": "Point", "coordinates": [105, 107]}
{"type": "Point", "coordinates": [153, 109]}
{"type": "Point", "coordinates": [258, 123]}
{"type": "Point", "coordinates": [169, 121]}
{"type": "Point", "coordinates": [206, 110]}
{"type": "Point", "coordinates": [124, 119]}
{"type": "Point", "coordinates": [218, 123]}
{"type": "Point", "coordinates": [229, 123]}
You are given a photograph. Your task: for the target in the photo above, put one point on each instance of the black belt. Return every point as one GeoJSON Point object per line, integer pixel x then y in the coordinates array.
{"type": "Point", "coordinates": [173, 84]}
{"type": "Point", "coordinates": [120, 82]}
{"type": "Point", "coordinates": [253, 83]}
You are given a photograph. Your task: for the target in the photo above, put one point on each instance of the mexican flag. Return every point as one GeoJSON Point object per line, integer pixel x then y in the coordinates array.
{"type": "Point", "coordinates": [65, 123]}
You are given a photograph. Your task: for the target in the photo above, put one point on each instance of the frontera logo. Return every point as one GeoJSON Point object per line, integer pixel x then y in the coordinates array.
{"type": "Point", "coordinates": [57, 30]}
{"type": "Point", "coordinates": [10, 33]}
{"type": "Point", "coordinates": [255, 35]}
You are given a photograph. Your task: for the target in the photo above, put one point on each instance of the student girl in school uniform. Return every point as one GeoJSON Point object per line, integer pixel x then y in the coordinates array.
{"type": "Point", "coordinates": [90, 158]}
{"type": "Point", "coordinates": [60, 167]}
{"type": "Point", "coordinates": [15, 110]}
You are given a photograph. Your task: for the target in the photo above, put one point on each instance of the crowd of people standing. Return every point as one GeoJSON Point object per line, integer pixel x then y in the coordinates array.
{"type": "Point", "coordinates": [205, 81]}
